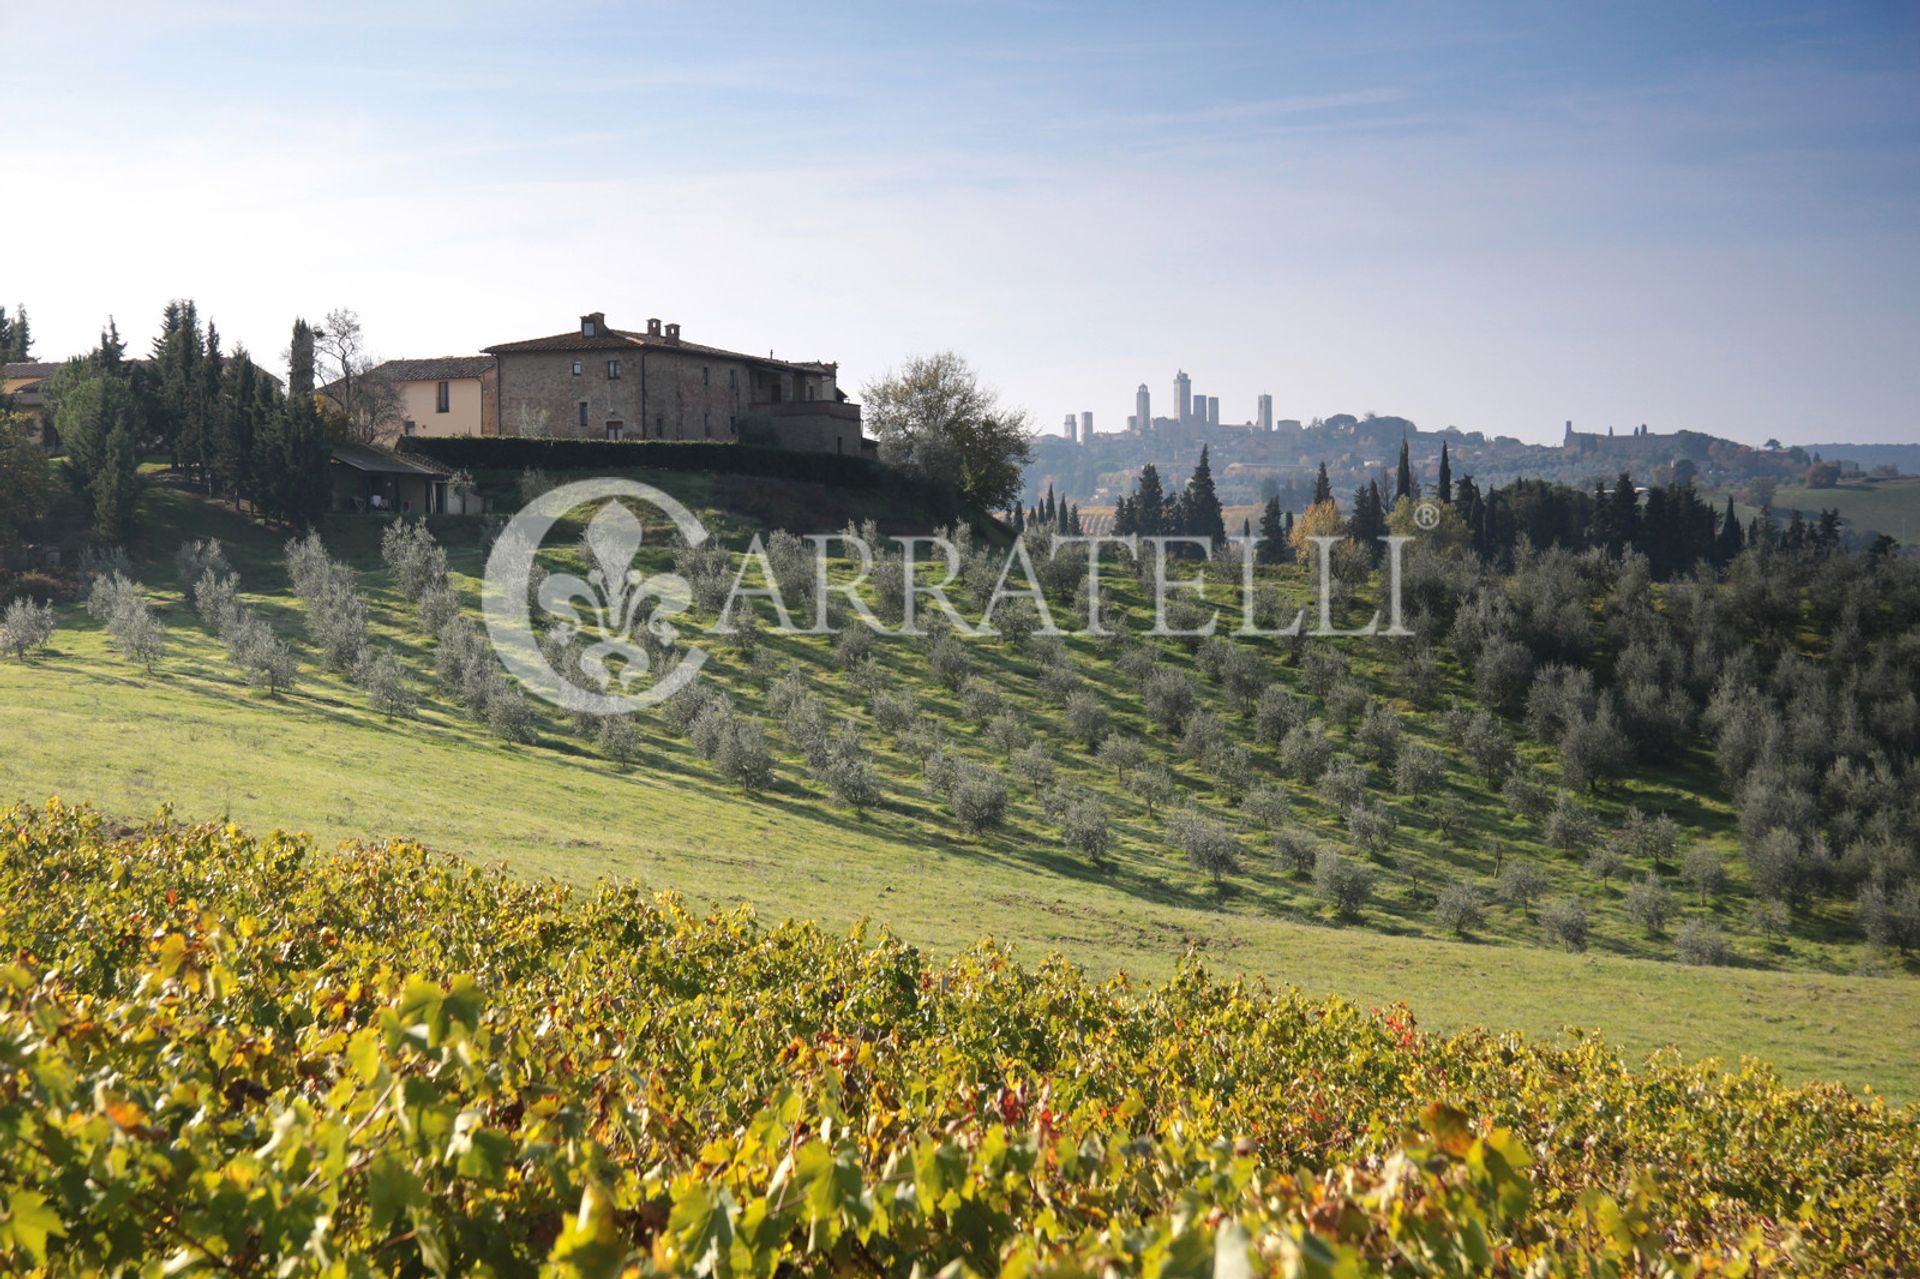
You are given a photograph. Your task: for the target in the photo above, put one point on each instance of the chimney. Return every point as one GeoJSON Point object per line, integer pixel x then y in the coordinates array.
{"type": "Point", "coordinates": [653, 328]}
{"type": "Point", "coordinates": [593, 324]}
{"type": "Point", "coordinates": [673, 333]}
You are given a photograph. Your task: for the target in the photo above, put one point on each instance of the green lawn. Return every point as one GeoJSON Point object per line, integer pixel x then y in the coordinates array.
{"type": "Point", "coordinates": [85, 725]}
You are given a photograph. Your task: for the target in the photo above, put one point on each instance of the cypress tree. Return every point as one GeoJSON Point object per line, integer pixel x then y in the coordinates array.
{"type": "Point", "coordinates": [1446, 475]}
{"type": "Point", "coordinates": [1403, 477]}
{"type": "Point", "coordinates": [1150, 503]}
{"type": "Point", "coordinates": [1273, 531]}
{"type": "Point", "coordinates": [300, 363]}
{"type": "Point", "coordinates": [1201, 512]}
{"type": "Point", "coordinates": [1729, 543]}
{"type": "Point", "coordinates": [1322, 487]}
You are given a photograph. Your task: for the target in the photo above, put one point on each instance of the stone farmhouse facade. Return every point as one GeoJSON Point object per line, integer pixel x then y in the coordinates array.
{"type": "Point", "coordinates": [602, 383]}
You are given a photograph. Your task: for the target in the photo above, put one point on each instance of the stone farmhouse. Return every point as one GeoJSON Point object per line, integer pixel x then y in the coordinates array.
{"type": "Point", "coordinates": [599, 382]}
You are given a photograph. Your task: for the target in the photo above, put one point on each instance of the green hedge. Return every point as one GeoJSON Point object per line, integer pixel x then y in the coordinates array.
{"type": "Point", "coordinates": [514, 453]}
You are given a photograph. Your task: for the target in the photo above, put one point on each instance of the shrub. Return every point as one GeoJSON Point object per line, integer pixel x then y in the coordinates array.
{"type": "Point", "coordinates": [1016, 620]}
{"type": "Point", "coordinates": [855, 645]}
{"type": "Point", "coordinates": [384, 680]}
{"type": "Point", "coordinates": [1007, 732]}
{"type": "Point", "coordinates": [1649, 904]}
{"type": "Point", "coordinates": [26, 628]}
{"type": "Point", "coordinates": [618, 738]}
{"type": "Point", "coordinates": [417, 563]}
{"type": "Point", "coordinates": [1305, 753]}
{"type": "Point", "coordinates": [1033, 765]}
{"type": "Point", "coordinates": [949, 662]}
{"type": "Point", "coordinates": [1168, 698]}
{"type": "Point", "coordinates": [1459, 909]}
{"type": "Point", "coordinates": [1379, 734]}
{"type": "Point", "coordinates": [1155, 787]}
{"type": "Point", "coordinates": [1565, 921]}
{"type": "Point", "coordinates": [1785, 865]}
{"type": "Point", "coordinates": [1058, 684]}
{"type": "Point", "coordinates": [436, 607]}
{"type": "Point", "coordinates": [978, 797]}
{"type": "Point", "coordinates": [1347, 703]}
{"type": "Point", "coordinates": [506, 712]}
{"type": "Point", "coordinates": [1295, 851]}
{"type": "Point", "coordinates": [1276, 713]}
{"type": "Point", "coordinates": [1087, 719]}
{"type": "Point", "coordinates": [216, 598]}
{"type": "Point", "coordinates": [135, 631]}
{"type": "Point", "coordinates": [1568, 827]}
{"type": "Point", "coordinates": [736, 746]}
{"type": "Point", "coordinates": [1342, 883]}
{"type": "Point", "coordinates": [1704, 872]}
{"type": "Point", "coordinates": [1122, 754]}
{"type": "Point", "coordinates": [1486, 745]}
{"type": "Point", "coordinates": [1266, 806]}
{"type": "Point", "coordinates": [1603, 863]}
{"type": "Point", "coordinates": [1526, 796]}
{"type": "Point", "coordinates": [108, 595]}
{"type": "Point", "coordinates": [1208, 845]}
{"type": "Point", "coordinates": [1343, 784]}
{"type": "Point", "coordinates": [1889, 916]}
{"type": "Point", "coordinates": [1771, 919]}
{"type": "Point", "coordinates": [1371, 826]}
{"type": "Point", "coordinates": [1521, 884]}
{"type": "Point", "coordinates": [1698, 942]}
{"type": "Point", "coordinates": [1418, 770]}
{"type": "Point", "coordinates": [847, 772]}
{"type": "Point", "coordinates": [980, 701]}
{"type": "Point", "coordinates": [1083, 828]}
{"type": "Point", "coordinates": [266, 660]}
{"type": "Point", "coordinates": [1137, 664]}
{"type": "Point", "coordinates": [195, 559]}
{"type": "Point", "coordinates": [894, 711]}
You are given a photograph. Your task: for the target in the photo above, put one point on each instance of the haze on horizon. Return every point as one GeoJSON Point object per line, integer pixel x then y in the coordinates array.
{"type": "Point", "coordinates": [1498, 217]}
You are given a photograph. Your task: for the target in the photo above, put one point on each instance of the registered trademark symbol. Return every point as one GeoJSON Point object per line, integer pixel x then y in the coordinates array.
{"type": "Point", "coordinates": [1427, 515]}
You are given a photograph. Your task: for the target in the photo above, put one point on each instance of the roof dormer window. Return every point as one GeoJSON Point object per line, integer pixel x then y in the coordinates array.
{"type": "Point", "coordinates": [586, 328]}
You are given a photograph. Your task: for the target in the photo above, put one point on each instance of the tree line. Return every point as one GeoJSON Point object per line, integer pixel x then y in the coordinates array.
{"type": "Point", "coordinates": [218, 416]}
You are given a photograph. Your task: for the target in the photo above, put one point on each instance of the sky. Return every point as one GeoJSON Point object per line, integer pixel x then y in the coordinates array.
{"type": "Point", "coordinates": [1498, 217]}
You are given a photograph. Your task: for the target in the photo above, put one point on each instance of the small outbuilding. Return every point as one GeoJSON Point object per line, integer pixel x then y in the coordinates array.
{"type": "Point", "coordinates": [368, 479]}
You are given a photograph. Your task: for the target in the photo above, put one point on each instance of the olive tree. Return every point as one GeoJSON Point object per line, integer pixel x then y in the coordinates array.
{"type": "Point", "coordinates": [1342, 883]}
{"type": "Point", "coordinates": [26, 628]}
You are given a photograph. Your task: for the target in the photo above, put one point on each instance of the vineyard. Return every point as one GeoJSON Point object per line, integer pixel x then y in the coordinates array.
{"type": "Point", "coordinates": [222, 1053]}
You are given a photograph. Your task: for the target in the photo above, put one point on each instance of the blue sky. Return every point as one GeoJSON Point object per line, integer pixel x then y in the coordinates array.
{"type": "Point", "coordinates": [1499, 217]}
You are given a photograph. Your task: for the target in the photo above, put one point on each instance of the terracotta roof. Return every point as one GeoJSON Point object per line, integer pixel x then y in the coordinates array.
{"type": "Point", "coordinates": [28, 371]}
{"type": "Point", "coordinates": [439, 368]}
{"type": "Point", "coordinates": [622, 340]}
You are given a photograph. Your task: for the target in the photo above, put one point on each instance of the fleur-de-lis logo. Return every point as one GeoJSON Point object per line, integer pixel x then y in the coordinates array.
{"type": "Point", "coordinates": [609, 607]}
{"type": "Point", "coordinates": [617, 617]}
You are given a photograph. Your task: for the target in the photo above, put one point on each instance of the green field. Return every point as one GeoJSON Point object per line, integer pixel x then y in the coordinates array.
{"type": "Point", "coordinates": [1890, 506]}
{"type": "Point", "coordinates": [84, 724]}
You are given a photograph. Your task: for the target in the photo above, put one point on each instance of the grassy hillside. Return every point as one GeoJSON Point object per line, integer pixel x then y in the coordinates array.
{"type": "Point", "coordinates": [97, 728]}
{"type": "Point", "coordinates": [257, 1058]}
{"type": "Point", "coordinates": [1890, 506]}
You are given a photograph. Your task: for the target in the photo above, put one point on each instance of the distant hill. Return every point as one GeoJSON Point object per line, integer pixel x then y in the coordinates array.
{"type": "Point", "coordinates": [1250, 464]}
{"type": "Point", "coordinates": [1868, 456]}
